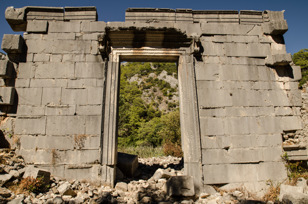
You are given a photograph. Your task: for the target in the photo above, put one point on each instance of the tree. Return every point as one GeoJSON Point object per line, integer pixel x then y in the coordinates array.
{"type": "Point", "coordinates": [301, 59]}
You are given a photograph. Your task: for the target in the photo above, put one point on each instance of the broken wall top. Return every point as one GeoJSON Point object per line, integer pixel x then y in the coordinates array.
{"type": "Point", "coordinates": [273, 22]}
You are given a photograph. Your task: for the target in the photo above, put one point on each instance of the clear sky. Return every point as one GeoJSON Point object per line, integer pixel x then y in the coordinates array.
{"type": "Point", "coordinates": [114, 10]}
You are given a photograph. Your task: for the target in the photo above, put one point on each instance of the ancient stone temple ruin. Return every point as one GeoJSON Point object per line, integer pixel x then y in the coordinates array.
{"type": "Point", "coordinates": [238, 89]}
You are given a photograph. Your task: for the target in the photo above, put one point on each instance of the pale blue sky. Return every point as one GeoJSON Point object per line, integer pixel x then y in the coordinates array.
{"type": "Point", "coordinates": [295, 12]}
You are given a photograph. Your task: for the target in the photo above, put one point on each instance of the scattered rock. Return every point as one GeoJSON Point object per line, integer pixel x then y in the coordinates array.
{"type": "Point", "coordinates": [4, 178]}
{"type": "Point", "coordinates": [19, 199]}
{"type": "Point", "coordinates": [36, 173]}
{"type": "Point", "coordinates": [121, 186]}
{"type": "Point", "coordinates": [295, 198]}
{"type": "Point", "coordinates": [180, 186]}
{"type": "Point", "coordinates": [5, 192]}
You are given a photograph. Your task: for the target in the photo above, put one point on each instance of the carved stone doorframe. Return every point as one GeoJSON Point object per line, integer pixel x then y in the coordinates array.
{"type": "Point", "coordinates": [190, 132]}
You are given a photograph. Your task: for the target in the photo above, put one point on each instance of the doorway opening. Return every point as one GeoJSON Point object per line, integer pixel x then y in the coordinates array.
{"type": "Point", "coordinates": [149, 115]}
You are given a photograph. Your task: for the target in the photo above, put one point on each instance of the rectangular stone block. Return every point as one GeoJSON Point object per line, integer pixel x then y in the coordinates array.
{"type": "Point", "coordinates": [37, 26]}
{"type": "Point", "coordinates": [74, 96]}
{"type": "Point", "coordinates": [295, 97]}
{"type": "Point", "coordinates": [212, 112]}
{"type": "Point", "coordinates": [249, 111]}
{"type": "Point", "coordinates": [78, 157]}
{"type": "Point", "coordinates": [94, 125]}
{"type": "Point", "coordinates": [81, 83]}
{"type": "Point", "coordinates": [13, 43]}
{"type": "Point", "coordinates": [74, 58]}
{"type": "Point", "coordinates": [64, 27]}
{"type": "Point", "coordinates": [90, 70]}
{"type": "Point", "coordinates": [59, 36]}
{"type": "Point", "coordinates": [230, 173]}
{"type": "Point", "coordinates": [213, 98]}
{"type": "Point", "coordinates": [89, 110]}
{"type": "Point", "coordinates": [289, 123]}
{"type": "Point", "coordinates": [47, 142]}
{"type": "Point", "coordinates": [212, 126]}
{"type": "Point", "coordinates": [30, 125]}
{"type": "Point", "coordinates": [98, 26]}
{"type": "Point", "coordinates": [226, 28]}
{"type": "Point", "coordinates": [65, 125]}
{"type": "Point", "coordinates": [48, 83]}
{"type": "Point", "coordinates": [210, 84]}
{"type": "Point", "coordinates": [7, 95]}
{"type": "Point", "coordinates": [237, 156]}
{"type": "Point", "coordinates": [60, 109]}
{"type": "Point", "coordinates": [239, 73]}
{"type": "Point", "coordinates": [272, 170]}
{"type": "Point", "coordinates": [213, 49]}
{"type": "Point", "coordinates": [41, 57]}
{"type": "Point", "coordinates": [22, 83]}
{"type": "Point", "coordinates": [241, 141]}
{"type": "Point", "coordinates": [55, 70]}
{"type": "Point", "coordinates": [250, 50]}
{"type": "Point", "coordinates": [283, 111]}
{"type": "Point", "coordinates": [263, 125]}
{"type": "Point", "coordinates": [28, 110]}
{"type": "Point", "coordinates": [95, 95]}
{"type": "Point", "coordinates": [29, 96]}
{"type": "Point", "coordinates": [51, 96]}
{"type": "Point", "coordinates": [207, 71]}
{"type": "Point", "coordinates": [6, 68]}
{"type": "Point", "coordinates": [243, 60]}
{"type": "Point", "coordinates": [237, 125]}
{"type": "Point", "coordinates": [26, 70]}
{"type": "Point", "coordinates": [246, 97]}
{"type": "Point", "coordinates": [59, 46]}
{"type": "Point", "coordinates": [297, 73]}
{"type": "Point", "coordinates": [36, 157]}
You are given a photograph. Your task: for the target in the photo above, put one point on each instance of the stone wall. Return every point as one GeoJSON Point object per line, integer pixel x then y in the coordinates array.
{"type": "Point", "coordinates": [238, 92]}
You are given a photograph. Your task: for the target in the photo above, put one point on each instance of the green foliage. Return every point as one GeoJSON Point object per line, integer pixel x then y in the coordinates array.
{"type": "Point", "coordinates": [296, 169]}
{"type": "Point", "coordinates": [142, 151]}
{"type": "Point", "coordinates": [301, 59]}
{"type": "Point", "coordinates": [141, 124]}
{"type": "Point", "coordinates": [33, 185]}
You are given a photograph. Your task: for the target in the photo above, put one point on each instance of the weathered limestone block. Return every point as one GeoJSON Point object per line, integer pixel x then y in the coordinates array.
{"type": "Point", "coordinates": [93, 27]}
{"type": "Point", "coordinates": [212, 126]}
{"type": "Point", "coordinates": [251, 17]}
{"type": "Point", "coordinates": [45, 13]}
{"type": "Point", "coordinates": [65, 125]}
{"type": "Point", "coordinates": [51, 96]}
{"type": "Point", "coordinates": [278, 60]}
{"type": "Point", "coordinates": [6, 68]}
{"type": "Point", "coordinates": [63, 70]}
{"type": "Point", "coordinates": [16, 18]}
{"type": "Point", "coordinates": [297, 73]}
{"type": "Point", "coordinates": [37, 26]}
{"type": "Point", "coordinates": [52, 109]}
{"type": "Point", "coordinates": [80, 13]}
{"type": "Point", "coordinates": [30, 125]}
{"type": "Point", "coordinates": [7, 95]}
{"type": "Point", "coordinates": [241, 141]}
{"type": "Point", "coordinates": [93, 124]}
{"type": "Point", "coordinates": [28, 110]}
{"type": "Point", "coordinates": [64, 27]}
{"type": "Point", "coordinates": [229, 29]}
{"type": "Point", "coordinates": [13, 44]}
{"type": "Point", "coordinates": [180, 186]}
{"type": "Point", "coordinates": [276, 25]}
{"type": "Point", "coordinates": [77, 157]}
{"type": "Point", "coordinates": [290, 123]}
{"type": "Point", "coordinates": [213, 98]}
{"type": "Point", "coordinates": [29, 96]}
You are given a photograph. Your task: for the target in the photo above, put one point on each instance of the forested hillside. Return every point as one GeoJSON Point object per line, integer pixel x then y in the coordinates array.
{"type": "Point", "coordinates": [148, 106]}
